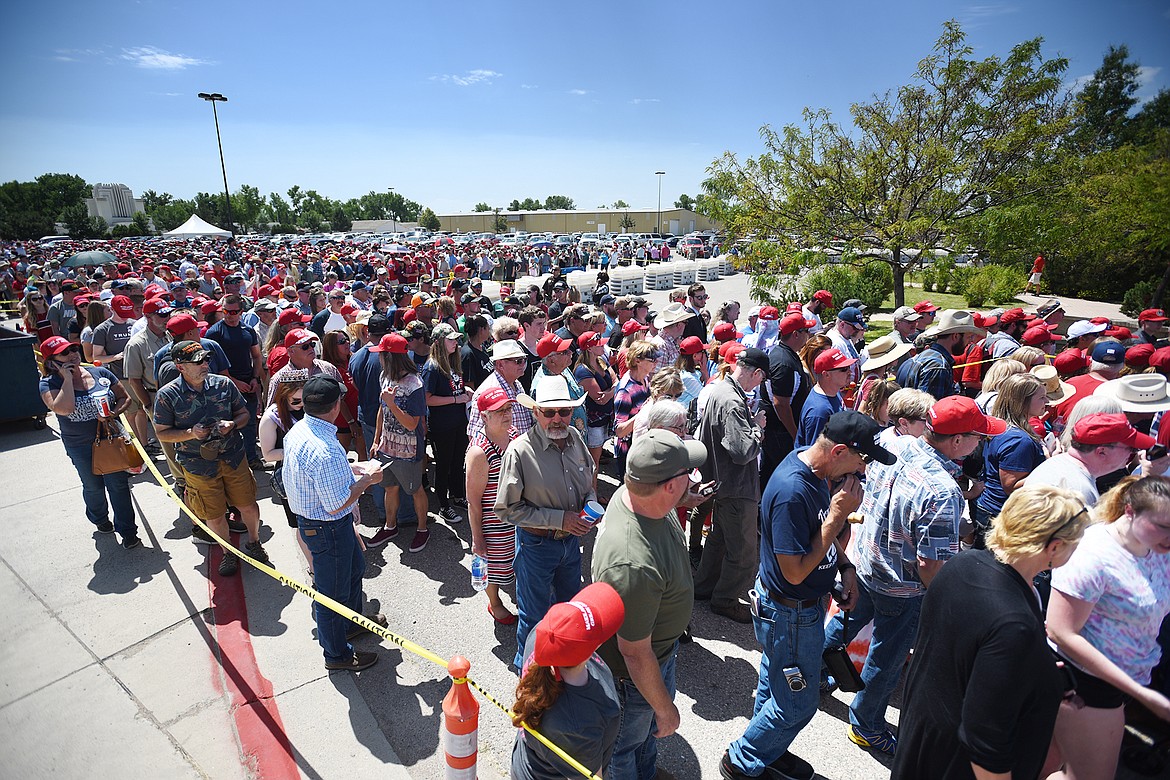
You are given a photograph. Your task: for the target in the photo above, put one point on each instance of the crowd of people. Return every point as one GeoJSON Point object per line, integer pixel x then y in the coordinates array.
{"type": "Point", "coordinates": [974, 493]}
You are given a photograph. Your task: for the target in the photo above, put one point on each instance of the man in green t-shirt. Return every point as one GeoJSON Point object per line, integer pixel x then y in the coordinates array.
{"type": "Point", "coordinates": [641, 551]}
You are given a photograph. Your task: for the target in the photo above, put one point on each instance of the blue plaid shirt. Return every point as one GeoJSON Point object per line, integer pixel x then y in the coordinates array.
{"type": "Point", "coordinates": [317, 476]}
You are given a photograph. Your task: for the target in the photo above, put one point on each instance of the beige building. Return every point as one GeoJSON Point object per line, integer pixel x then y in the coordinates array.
{"type": "Point", "coordinates": [114, 203]}
{"type": "Point", "coordinates": [675, 221]}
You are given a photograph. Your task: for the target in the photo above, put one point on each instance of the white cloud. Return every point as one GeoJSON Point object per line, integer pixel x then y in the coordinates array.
{"type": "Point", "coordinates": [1146, 74]}
{"type": "Point", "coordinates": [1077, 84]}
{"type": "Point", "coordinates": [578, 92]}
{"type": "Point", "coordinates": [156, 59]}
{"type": "Point", "coordinates": [529, 86]}
{"type": "Point", "coordinates": [468, 78]}
{"type": "Point", "coordinates": [75, 55]}
{"type": "Point", "coordinates": [640, 101]}
{"type": "Point", "coordinates": [975, 16]}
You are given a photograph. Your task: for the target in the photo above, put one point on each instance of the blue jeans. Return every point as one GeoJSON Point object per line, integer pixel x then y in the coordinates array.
{"type": "Point", "coordinates": [895, 624]}
{"type": "Point", "coordinates": [94, 489]}
{"type": "Point", "coordinates": [338, 566]}
{"type": "Point", "coordinates": [635, 753]}
{"type": "Point", "coordinates": [548, 571]}
{"type": "Point", "coordinates": [251, 430]}
{"type": "Point", "coordinates": [790, 637]}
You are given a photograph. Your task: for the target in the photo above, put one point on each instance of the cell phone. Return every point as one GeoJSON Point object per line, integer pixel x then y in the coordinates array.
{"type": "Point", "coordinates": [1155, 452]}
{"type": "Point", "coordinates": [709, 490]}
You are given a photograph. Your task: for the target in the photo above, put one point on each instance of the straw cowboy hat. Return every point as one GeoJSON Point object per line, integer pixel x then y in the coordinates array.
{"type": "Point", "coordinates": [1138, 392]}
{"type": "Point", "coordinates": [551, 392]}
{"type": "Point", "coordinates": [886, 351]}
{"type": "Point", "coordinates": [953, 321]}
{"type": "Point", "coordinates": [1057, 390]}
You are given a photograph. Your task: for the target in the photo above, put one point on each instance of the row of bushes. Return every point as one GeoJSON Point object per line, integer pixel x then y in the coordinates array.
{"type": "Point", "coordinates": [871, 284]}
{"type": "Point", "coordinates": [995, 284]}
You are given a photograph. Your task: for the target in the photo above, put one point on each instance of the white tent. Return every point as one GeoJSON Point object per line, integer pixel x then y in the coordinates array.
{"type": "Point", "coordinates": [195, 227]}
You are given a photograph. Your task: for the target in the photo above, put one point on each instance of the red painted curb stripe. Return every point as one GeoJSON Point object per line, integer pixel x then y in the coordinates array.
{"type": "Point", "coordinates": [265, 746]}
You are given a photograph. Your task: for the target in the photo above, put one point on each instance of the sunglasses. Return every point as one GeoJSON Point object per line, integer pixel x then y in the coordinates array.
{"type": "Point", "coordinates": [296, 402]}
{"type": "Point", "coordinates": [548, 414]}
{"type": "Point", "coordinates": [510, 334]}
{"type": "Point", "coordinates": [1065, 525]}
{"type": "Point", "coordinates": [232, 311]}
{"type": "Point", "coordinates": [865, 458]}
{"type": "Point", "coordinates": [307, 346]}
{"type": "Point", "coordinates": [676, 476]}
{"type": "Point", "coordinates": [198, 362]}
{"type": "Point", "coordinates": [518, 361]}
{"type": "Point", "coordinates": [72, 350]}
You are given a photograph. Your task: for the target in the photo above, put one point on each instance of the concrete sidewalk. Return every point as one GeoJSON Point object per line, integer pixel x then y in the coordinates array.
{"type": "Point", "coordinates": [115, 666]}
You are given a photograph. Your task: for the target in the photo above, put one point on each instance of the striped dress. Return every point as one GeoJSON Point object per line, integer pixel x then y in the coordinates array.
{"type": "Point", "coordinates": [500, 537]}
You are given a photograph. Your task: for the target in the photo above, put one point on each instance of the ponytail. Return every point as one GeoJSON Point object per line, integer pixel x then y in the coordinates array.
{"type": "Point", "coordinates": [1144, 494]}
{"type": "Point", "coordinates": [537, 690]}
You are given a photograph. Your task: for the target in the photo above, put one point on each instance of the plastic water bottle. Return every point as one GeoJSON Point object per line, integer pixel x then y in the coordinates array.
{"type": "Point", "coordinates": [479, 573]}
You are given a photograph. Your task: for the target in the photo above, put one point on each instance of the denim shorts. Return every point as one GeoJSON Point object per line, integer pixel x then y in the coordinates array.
{"type": "Point", "coordinates": [595, 437]}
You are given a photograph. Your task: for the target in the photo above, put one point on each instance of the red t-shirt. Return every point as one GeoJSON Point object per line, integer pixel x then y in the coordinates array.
{"type": "Point", "coordinates": [1084, 384]}
{"type": "Point", "coordinates": [1038, 266]}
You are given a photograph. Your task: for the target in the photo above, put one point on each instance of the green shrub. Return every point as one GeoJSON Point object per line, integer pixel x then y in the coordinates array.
{"type": "Point", "coordinates": [928, 280]}
{"type": "Point", "coordinates": [943, 269]}
{"type": "Point", "coordinates": [1138, 298]}
{"type": "Point", "coordinates": [977, 290]}
{"type": "Point", "coordinates": [1006, 282]}
{"type": "Point", "coordinates": [961, 277]}
{"type": "Point", "coordinates": [871, 284]}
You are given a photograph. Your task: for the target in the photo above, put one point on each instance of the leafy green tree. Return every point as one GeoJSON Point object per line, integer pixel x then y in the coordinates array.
{"type": "Point", "coordinates": [279, 209]}
{"type": "Point", "coordinates": [142, 222]}
{"type": "Point", "coordinates": [310, 220]}
{"type": "Point", "coordinates": [428, 220]}
{"type": "Point", "coordinates": [247, 207]}
{"type": "Point", "coordinates": [122, 231]}
{"type": "Point", "coordinates": [1153, 116]}
{"type": "Point", "coordinates": [151, 200]}
{"type": "Point", "coordinates": [915, 168]}
{"type": "Point", "coordinates": [514, 205]}
{"type": "Point", "coordinates": [98, 227]}
{"type": "Point", "coordinates": [627, 222]}
{"type": "Point", "coordinates": [340, 220]}
{"type": "Point", "coordinates": [76, 219]}
{"type": "Point", "coordinates": [1104, 104]}
{"type": "Point", "coordinates": [620, 204]}
{"type": "Point", "coordinates": [296, 197]}
{"type": "Point", "coordinates": [481, 206]}
{"type": "Point", "coordinates": [501, 224]}
{"type": "Point", "coordinates": [22, 215]}
{"type": "Point", "coordinates": [59, 190]}
{"type": "Point", "coordinates": [531, 204]}
{"type": "Point", "coordinates": [171, 215]}
{"type": "Point", "coordinates": [559, 202]}
{"type": "Point", "coordinates": [685, 202]}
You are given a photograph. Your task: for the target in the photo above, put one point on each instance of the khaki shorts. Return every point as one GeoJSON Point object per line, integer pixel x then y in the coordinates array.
{"type": "Point", "coordinates": [210, 497]}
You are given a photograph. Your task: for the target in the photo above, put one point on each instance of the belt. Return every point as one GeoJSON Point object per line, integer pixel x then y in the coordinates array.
{"type": "Point", "coordinates": [553, 533]}
{"type": "Point", "coordinates": [794, 603]}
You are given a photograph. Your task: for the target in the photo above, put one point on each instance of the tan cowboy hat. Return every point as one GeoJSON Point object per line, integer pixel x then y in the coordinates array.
{"type": "Point", "coordinates": [1058, 391]}
{"type": "Point", "coordinates": [1138, 392]}
{"type": "Point", "coordinates": [551, 392]}
{"type": "Point", "coordinates": [953, 321]}
{"type": "Point", "coordinates": [672, 313]}
{"type": "Point", "coordinates": [886, 351]}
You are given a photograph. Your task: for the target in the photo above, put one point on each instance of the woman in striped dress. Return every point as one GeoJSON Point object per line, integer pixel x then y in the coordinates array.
{"type": "Point", "coordinates": [491, 538]}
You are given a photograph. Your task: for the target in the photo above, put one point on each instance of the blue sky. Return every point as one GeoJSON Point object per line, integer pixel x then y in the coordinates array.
{"type": "Point", "coordinates": [459, 102]}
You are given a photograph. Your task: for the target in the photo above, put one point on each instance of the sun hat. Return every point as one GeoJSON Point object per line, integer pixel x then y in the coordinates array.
{"type": "Point", "coordinates": [885, 352]}
{"type": "Point", "coordinates": [570, 632]}
{"type": "Point", "coordinates": [671, 314]}
{"type": "Point", "coordinates": [551, 392]}
{"type": "Point", "coordinates": [953, 321]}
{"type": "Point", "coordinates": [1056, 390]}
{"type": "Point", "coordinates": [1137, 392]}
{"type": "Point", "coordinates": [508, 348]}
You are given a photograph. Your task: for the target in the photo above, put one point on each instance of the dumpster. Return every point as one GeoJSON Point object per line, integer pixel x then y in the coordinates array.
{"type": "Point", "coordinates": [20, 398]}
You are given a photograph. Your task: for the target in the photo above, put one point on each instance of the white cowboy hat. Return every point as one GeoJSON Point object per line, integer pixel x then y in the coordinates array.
{"type": "Point", "coordinates": [551, 392]}
{"type": "Point", "coordinates": [508, 348]}
{"type": "Point", "coordinates": [1138, 392]}
{"type": "Point", "coordinates": [953, 321]}
{"type": "Point", "coordinates": [672, 313]}
{"type": "Point", "coordinates": [885, 352]}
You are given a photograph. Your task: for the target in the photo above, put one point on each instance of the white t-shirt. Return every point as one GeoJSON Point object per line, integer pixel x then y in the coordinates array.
{"type": "Point", "coordinates": [1065, 471]}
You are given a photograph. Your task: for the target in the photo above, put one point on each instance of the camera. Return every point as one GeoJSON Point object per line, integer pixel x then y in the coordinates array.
{"type": "Point", "coordinates": [795, 678]}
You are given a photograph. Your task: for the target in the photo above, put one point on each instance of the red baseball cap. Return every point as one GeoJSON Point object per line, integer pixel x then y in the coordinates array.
{"type": "Point", "coordinates": [769, 313]}
{"type": "Point", "coordinates": [1110, 429]}
{"type": "Point", "coordinates": [347, 309]}
{"type": "Point", "coordinates": [925, 307]}
{"type": "Point", "coordinates": [832, 359]}
{"type": "Point", "coordinates": [1102, 321]}
{"type": "Point", "coordinates": [1153, 315]}
{"type": "Point", "coordinates": [590, 339]}
{"type": "Point", "coordinates": [181, 323]}
{"type": "Point", "coordinates": [1070, 362]}
{"type": "Point", "coordinates": [633, 326]}
{"type": "Point", "coordinates": [1037, 336]}
{"type": "Point", "coordinates": [298, 336]}
{"type": "Point", "coordinates": [394, 343]}
{"type": "Point", "coordinates": [491, 399]}
{"type": "Point", "coordinates": [122, 306]}
{"type": "Point", "coordinates": [794, 308]}
{"type": "Point", "coordinates": [55, 345]}
{"type": "Point", "coordinates": [1118, 332]}
{"type": "Point", "coordinates": [571, 631]}
{"type": "Point", "coordinates": [691, 345]}
{"type": "Point", "coordinates": [725, 331]}
{"type": "Point", "coordinates": [266, 290]}
{"type": "Point", "coordinates": [959, 414]}
{"type": "Point", "coordinates": [156, 306]}
{"type": "Point", "coordinates": [1013, 315]}
{"type": "Point", "coordinates": [550, 343]}
{"type": "Point", "coordinates": [731, 351]}
{"type": "Point", "coordinates": [1138, 356]}
{"type": "Point", "coordinates": [824, 296]}
{"type": "Point", "coordinates": [794, 322]}
{"type": "Point", "coordinates": [1161, 358]}
{"type": "Point", "coordinates": [209, 307]}
{"type": "Point", "coordinates": [292, 317]}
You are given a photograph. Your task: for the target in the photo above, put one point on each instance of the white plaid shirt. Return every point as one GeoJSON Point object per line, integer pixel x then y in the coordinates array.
{"type": "Point", "coordinates": [521, 417]}
{"type": "Point", "coordinates": [317, 476]}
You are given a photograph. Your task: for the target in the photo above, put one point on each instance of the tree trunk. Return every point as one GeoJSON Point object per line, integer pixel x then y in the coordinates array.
{"type": "Point", "coordinates": [899, 279]}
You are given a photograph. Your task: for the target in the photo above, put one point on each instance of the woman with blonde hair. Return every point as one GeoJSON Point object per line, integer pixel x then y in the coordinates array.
{"type": "Point", "coordinates": [982, 694]}
{"type": "Point", "coordinates": [566, 691]}
{"type": "Point", "coordinates": [1107, 607]}
{"type": "Point", "coordinates": [1029, 357]}
{"type": "Point", "coordinates": [876, 404]}
{"type": "Point", "coordinates": [447, 399]}
{"type": "Point", "coordinates": [34, 313]}
{"type": "Point", "coordinates": [95, 313]}
{"type": "Point", "coordinates": [1010, 457]}
{"type": "Point", "coordinates": [996, 375]}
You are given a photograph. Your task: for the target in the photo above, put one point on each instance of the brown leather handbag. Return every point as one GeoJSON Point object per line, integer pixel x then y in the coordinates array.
{"type": "Point", "coordinates": [112, 450]}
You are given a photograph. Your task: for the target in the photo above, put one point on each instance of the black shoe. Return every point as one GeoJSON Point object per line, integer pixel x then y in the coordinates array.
{"type": "Point", "coordinates": [237, 527]}
{"type": "Point", "coordinates": [105, 528]}
{"type": "Point", "coordinates": [256, 464]}
{"type": "Point", "coordinates": [728, 770]}
{"type": "Point", "coordinates": [229, 565]}
{"type": "Point", "coordinates": [789, 767]}
{"type": "Point", "coordinates": [686, 637]}
{"type": "Point", "coordinates": [199, 536]}
{"type": "Point", "coordinates": [359, 662]}
{"type": "Point", "coordinates": [702, 596]}
{"type": "Point", "coordinates": [256, 551]}
{"type": "Point", "coordinates": [737, 612]}
{"type": "Point", "coordinates": [130, 542]}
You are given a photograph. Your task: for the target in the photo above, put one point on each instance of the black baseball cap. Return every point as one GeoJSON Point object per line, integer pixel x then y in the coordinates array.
{"type": "Point", "coordinates": [859, 432]}
{"type": "Point", "coordinates": [188, 352]}
{"type": "Point", "coordinates": [322, 389]}
{"type": "Point", "coordinates": [378, 324]}
{"type": "Point", "coordinates": [754, 358]}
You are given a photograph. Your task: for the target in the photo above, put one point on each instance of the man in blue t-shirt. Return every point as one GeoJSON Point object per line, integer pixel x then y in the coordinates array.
{"type": "Point", "coordinates": [242, 347]}
{"type": "Point", "coordinates": [832, 369]}
{"type": "Point", "coordinates": [801, 552]}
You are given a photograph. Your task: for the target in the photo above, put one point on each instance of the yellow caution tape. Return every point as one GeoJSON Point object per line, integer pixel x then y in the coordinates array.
{"type": "Point", "coordinates": [339, 608]}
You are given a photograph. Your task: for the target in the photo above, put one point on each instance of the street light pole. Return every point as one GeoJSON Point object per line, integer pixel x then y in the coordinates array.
{"type": "Point", "coordinates": [213, 98]}
{"type": "Point", "coordinates": [659, 174]}
{"type": "Point", "coordinates": [393, 216]}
